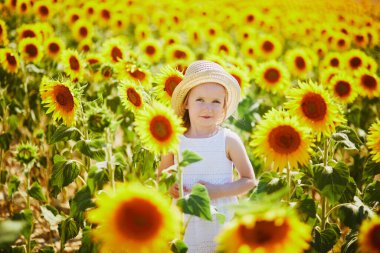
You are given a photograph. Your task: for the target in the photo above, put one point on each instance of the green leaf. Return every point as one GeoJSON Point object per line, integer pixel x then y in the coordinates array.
{"type": "Point", "coordinates": [350, 191]}
{"type": "Point", "coordinates": [189, 157]}
{"type": "Point", "coordinates": [270, 182]}
{"type": "Point", "coordinates": [19, 249]}
{"type": "Point", "coordinates": [92, 149]}
{"type": "Point", "coordinates": [323, 241]}
{"type": "Point", "coordinates": [64, 173]}
{"type": "Point", "coordinates": [64, 133]}
{"type": "Point", "coordinates": [13, 185]}
{"type": "Point", "coordinates": [306, 209]}
{"type": "Point", "coordinates": [87, 245]}
{"type": "Point", "coordinates": [197, 203]}
{"type": "Point", "coordinates": [97, 177]}
{"type": "Point", "coordinates": [331, 181]}
{"type": "Point", "coordinates": [5, 141]}
{"type": "Point", "coordinates": [3, 176]}
{"type": "Point", "coordinates": [178, 246]}
{"type": "Point", "coordinates": [351, 243]}
{"type": "Point", "coordinates": [372, 193]}
{"type": "Point", "coordinates": [343, 140]}
{"type": "Point", "coordinates": [68, 229]}
{"type": "Point", "coordinates": [371, 169]}
{"type": "Point", "coordinates": [351, 134]}
{"type": "Point", "coordinates": [51, 215]}
{"type": "Point", "coordinates": [46, 249]}
{"type": "Point", "coordinates": [26, 216]}
{"type": "Point", "coordinates": [36, 192]}
{"type": "Point", "coordinates": [10, 231]}
{"type": "Point", "coordinates": [81, 201]}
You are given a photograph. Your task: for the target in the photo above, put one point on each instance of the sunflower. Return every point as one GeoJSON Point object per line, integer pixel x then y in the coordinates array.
{"type": "Point", "coordinates": [326, 75]}
{"type": "Point", "coordinates": [104, 12]}
{"type": "Point", "coordinates": [9, 60]}
{"type": "Point", "coordinates": [114, 49]}
{"type": "Point", "coordinates": [269, 47]}
{"type": "Point", "coordinates": [94, 58]}
{"type": "Point", "coordinates": [26, 153]}
{"type": "Point", "coordinates": [320, 48]}
{"type": "Point", "coordinates": [355, 59]}
{"type": "Point", "coordinates": [222, 45]}
{"type": "Point", "coordinates": [82, 29]}
{"type": "Point", "coordinates": [211, 30]}
{"type": "Point", "coordinates": [195, 36]}
{"type": "Point", "coordinates": [137, 73]}
{"type": "Point", "coordinates": [167, 80]}
{"type": "Point", "coordinates": [85, 45]}
{"type": "Point", "coordinates": [170, 38]}
{"type": "Point", "coordinates": [241, 76]}
{"type": "Point", "coordinates": [72, 15]}
{"type": "Point", "coordinates": [142, 32]}
{"type": "Point", "coordinates": [73, 63]}
{"type": "Point", "coordinates": [3, 33]}
{"type": "Point", "coordinates": [313, 105]}
{"type": "Point", "coordinates": [282, 139]}
{"type": "Point", "coordinates": [43, 10]}
{"type": "Point", "coordinates": [368, 83]}
{"type": "Point", "coordinates": [341, 43]}
{"type": "Point", "coordinates": [151, 49]}
{"type": "Point", "coordinates": [134, 218]}
{"type": "Point", "coordinates": [360, 38]}
{"type": "Point", "coordinates": [248, 49]}
{"type": "Point", "coordinates": [54, 46]}
{"type": "Point", "coordinates": [60, 98]}
{"type": "Point", "coordinates": [272, 76]}
{"type": "Point", "coordinates": [245, 34]}
{"type": "Point", "coordinates": [298, 63]}
{"type": "Point", "coordinates": [369, 235]}
{"type": "Point", "coordinates": [372, 64]}
{"type": "Point", "coordinates": [251, 64]}
{"type": "Point", "coordinates": [250, 17]}
{"type": "Point", "coordinates": [343, 88]}
{"type": "Point", "coordinates": [23, 6]}
{"type": "Point", "coordinates": [118, 22]}
{"type": "Point", "coordinates": [158, 128]}
{"type": "Point", "coordinates": [30, 49]}
{"type": "Point", "coordinates": [373, 140]}
{"type": "Point", "coordinates": [131, 96]}
{"type": "Point", "coordinates": [179, 54]}
{"type": "Point", "coordinates": [332, 60]}
{"type": "Point", "coordinates": [269, 232]}
{"type": "Point", "coordinates": [28, 31]}
{"type": "Point", "coordinates": [90, 9]}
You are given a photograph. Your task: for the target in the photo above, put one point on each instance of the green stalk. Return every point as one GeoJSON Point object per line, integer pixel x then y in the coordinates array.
{"type": "Point", "coordinates": [110, 166]}
{"type": "Point", "coordinates": [289, 183]}
{"type": "Point", "coordinates": [323, 199]}
{"type": "Point", "coordinates": [28, 239]}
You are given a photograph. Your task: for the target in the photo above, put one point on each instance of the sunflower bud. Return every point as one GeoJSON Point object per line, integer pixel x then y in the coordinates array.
{"type": "Point", "coordinates": [98, 122]}
{"type": "Point", "coordinates": [26, 153]}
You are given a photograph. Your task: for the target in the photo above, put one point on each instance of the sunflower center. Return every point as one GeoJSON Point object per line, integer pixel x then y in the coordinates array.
{"type": "Point", "coordinates": [268, 46]}
{"type": "Point", "coordinates": [92, 61]}
{"type": "Point", "coordinates": [341, 42]}
{"type": "Point", "coordinates": [134, 97]}
{"type": "Point", "coordinates": [116, 54]}
{"type": "Point", "coordinates": [86, 48]}
{"type": "Point", "coordinates": [64, 98]}
{"type": "Point", "coordinates": [223, 48]}
{"type": "Point", "coordinates": [179, 54]}
{"type": "Point", "coordinates": [375, 237]}
{"type": "Point", "coordinates": [137, 74]}
{"type": "Point", "coordinates": [106, 14]}
{"type": "Point", "coordinates": [250, 18]}
{"type": "Point", "coordinates": [195, 36]}
{"type": "Point", "coordinates": [31, 50]}
{"type": "Point", "coordinates": [272, 75]}
{"type": "Point", "coordinates": [359, 38]}
{"type": "Point", "coordinates": [264, 233]}
{"type": "Point", "coordinates": [314, 106]}
{"type": "Point", "coordinates": [83, 31]}
{"type": "Point", "coordinates": [171, 83]}
{"type": "Point", "coordinates": [1, 30]}
{"type": "Point", "coordinates": [300, 62]}
{"type": "Point", "coordinates": [211, 31]}
{"type": "Point", "coordinates": [238, 79]}
{"type": "Point", "coordinates": [44, 10]}
{"type": "Point", "coordinates": [160, 128]}
{"type": "Point", "coordinates": [284, 139]}
{"type": "Point", "coordinates": [53, 47]}
{"type": "Point", "coordinates": [334, 62]}
{"type": "Point", "coordinates": [74, 63]}
{"type": "Point", "coordinates": [355, 62]}
{"type": "Point", "coordinates": [11, 60]}
{"type": "Point", "coordinates": [28, 34]}
{"type": "Point", "coordinates": [342, 88]}
{"type": "Point", "coordinates": [74, 18]}
{"type": "Point", "coordinates": [369, 82]}
{"type": "Point", "coordinates": [150, 50]}
{"type": "Point", "coordinates": [24, 7]}
{"type": "Point", "coordinates": [138, 219]}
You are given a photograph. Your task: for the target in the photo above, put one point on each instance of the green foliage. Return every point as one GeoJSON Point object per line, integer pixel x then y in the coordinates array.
{"type": "Point", "coordinates": [64, 173]}
{"type": "Point", "coordinates": [197, 203]}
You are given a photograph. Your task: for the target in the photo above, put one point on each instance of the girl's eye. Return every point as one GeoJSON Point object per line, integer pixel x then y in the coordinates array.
{"type": "Point", "coordinates": [199, 100]}
{"type": "Point", "coordinates": [216, 102]}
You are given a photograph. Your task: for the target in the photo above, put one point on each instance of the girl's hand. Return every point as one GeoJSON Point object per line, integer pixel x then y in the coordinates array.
{"type": "Point", "coordinates": [211, 188]}
{"type": "Point", "coordinates": [174, 190]}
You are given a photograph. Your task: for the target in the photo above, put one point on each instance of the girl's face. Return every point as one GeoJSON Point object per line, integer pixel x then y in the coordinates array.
{"type": "Point", "coordinates": [206, 104]}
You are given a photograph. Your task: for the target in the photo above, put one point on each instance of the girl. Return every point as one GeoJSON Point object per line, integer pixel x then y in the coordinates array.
{"type": "Point", "coordinates": [203, 99]}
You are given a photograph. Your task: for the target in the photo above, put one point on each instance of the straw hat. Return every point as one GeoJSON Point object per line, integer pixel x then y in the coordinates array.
{"type": "Point", "coordinates": [206, 72]}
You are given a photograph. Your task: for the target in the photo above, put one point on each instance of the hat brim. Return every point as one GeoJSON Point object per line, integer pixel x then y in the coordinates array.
{"type": "Point", "coordinates": [210, 76]}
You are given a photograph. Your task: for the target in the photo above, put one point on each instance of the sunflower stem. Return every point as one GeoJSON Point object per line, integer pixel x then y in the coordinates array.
{"type": "Point", "coordinates": [28, 239]}
{"type": "Point", "coordinates": [289, 183]}
{"type": "Point", "coordinates": [110, 166]}
{"type": "Point", "coordinates": [179, 175]}
{"type": "Point", "coordinates": [323, 198]}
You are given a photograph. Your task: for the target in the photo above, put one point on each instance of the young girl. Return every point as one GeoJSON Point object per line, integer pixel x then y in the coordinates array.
{"type": "Point", "coordinates": [203, 99]}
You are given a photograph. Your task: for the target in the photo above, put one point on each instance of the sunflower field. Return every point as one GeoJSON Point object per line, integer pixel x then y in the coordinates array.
{"type": "Point", "coordinates": [85, 115]}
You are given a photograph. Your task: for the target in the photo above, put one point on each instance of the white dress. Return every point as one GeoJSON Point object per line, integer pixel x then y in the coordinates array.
{"type": "Point", "coordinates": [215, 168]}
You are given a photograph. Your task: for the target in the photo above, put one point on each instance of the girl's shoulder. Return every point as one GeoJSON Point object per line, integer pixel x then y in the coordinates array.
{"type": "Point", "coordinates": [232, 138]}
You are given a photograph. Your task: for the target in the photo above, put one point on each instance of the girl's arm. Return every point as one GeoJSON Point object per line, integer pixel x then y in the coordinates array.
{"type": "Point", "coordinates": [166, 161]}
{"type": "Point", "coordinates": [238, 155]}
